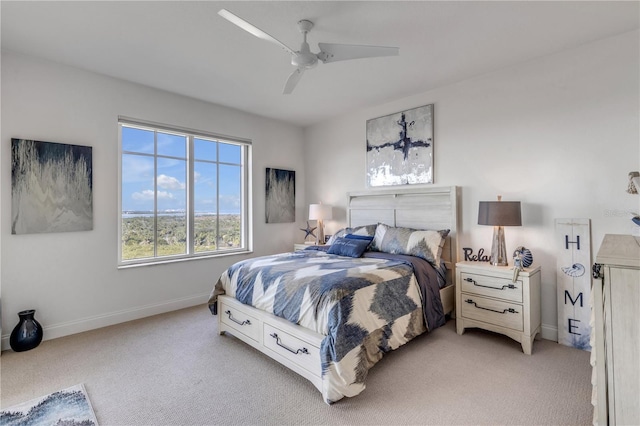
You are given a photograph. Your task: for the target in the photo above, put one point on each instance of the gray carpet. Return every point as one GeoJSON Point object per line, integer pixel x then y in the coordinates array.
{"type": "Point", "coordinates": [175, 369]}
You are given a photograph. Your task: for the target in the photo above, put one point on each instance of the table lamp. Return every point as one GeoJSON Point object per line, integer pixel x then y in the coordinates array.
{"type": "Point", "coordinates": [498, 214]}
{"type": "Point", "coordinates": [319, 212]}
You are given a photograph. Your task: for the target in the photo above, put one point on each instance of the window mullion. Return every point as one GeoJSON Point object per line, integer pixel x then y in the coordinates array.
{"type": "Point", "coordinates": [155, 194]}
{"type": "Point", "coordinates": [217, 196]}
{"type": "Point", "coordinates": [190, 196]}
{"type": "Point", "coordinates": [244, 196]}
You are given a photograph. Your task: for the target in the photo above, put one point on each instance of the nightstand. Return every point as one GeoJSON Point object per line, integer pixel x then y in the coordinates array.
{"type": "Point", "coordinates": [487, 298]}
{"type": "Point", "coordinates": [297, 246]}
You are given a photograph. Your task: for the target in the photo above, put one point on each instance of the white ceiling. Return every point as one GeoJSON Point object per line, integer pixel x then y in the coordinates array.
{"type": "Point", "coordinates": [185, 47]}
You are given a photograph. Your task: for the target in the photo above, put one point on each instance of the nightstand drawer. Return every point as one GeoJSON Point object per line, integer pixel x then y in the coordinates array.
{"type": "Point", "coordinates": [492, 311]}
{"type": "Point", "coordinates": [483, 285]}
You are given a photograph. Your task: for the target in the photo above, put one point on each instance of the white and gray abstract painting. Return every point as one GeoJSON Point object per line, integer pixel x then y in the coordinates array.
{"type": "Point", "coordinates": [280, 196]}
{"type": "Point", "coordinates": [70, 407]}
{"type": "Point", "coordinates": [400, 148]}
{"type": "Point", "coordinates": [51, 187]}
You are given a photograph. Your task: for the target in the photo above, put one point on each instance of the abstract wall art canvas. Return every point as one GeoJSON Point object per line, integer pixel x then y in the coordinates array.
{"type": "Point", "coordinates": [280, 196]}
{"type": "Point", "coordinates": [400, 148]}
{"type": "Point", "coordinates": [51, 187]}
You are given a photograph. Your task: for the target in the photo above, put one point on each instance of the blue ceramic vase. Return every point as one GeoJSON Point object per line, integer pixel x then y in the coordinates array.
{"type": "Point", "coordinates": [27, 334]}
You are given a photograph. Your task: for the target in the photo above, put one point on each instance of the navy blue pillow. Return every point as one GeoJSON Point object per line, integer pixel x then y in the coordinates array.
{"type": "Point", "coordinates": [359, 237]}
{"type": "Point", "coordinates": [351, 247]}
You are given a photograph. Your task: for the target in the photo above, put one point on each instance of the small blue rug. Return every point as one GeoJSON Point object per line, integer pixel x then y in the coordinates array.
{"type": "Point", "coordinates": [68, 407]}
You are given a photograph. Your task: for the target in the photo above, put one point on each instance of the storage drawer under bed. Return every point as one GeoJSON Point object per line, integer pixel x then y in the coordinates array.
{"type": "Point", "coordinates": [292, 345]}
{"type": "Point", "coordinates": [294, 349]}
{"type": "Point", "coordinates": [241, 321]}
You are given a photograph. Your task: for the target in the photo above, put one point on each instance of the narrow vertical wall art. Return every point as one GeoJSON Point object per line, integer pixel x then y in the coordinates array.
{"type": "Point", "coordinates": [51, 187]}
{"type": "Point", "coordinates": [574, 282]}
{"type": "Point", "coordinates": [280, 196]}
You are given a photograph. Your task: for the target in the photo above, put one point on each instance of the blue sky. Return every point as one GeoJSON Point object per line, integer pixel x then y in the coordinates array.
{"type": "Point", "coordinates": [138, 173]}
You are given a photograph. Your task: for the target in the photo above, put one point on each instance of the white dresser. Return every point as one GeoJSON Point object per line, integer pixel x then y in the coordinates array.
{"type": "Point", "coordinates": [616, 331]}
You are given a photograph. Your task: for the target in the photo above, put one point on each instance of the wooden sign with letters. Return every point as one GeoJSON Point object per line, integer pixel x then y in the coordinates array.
{"type": "Point", "coordinates": [574, 282]}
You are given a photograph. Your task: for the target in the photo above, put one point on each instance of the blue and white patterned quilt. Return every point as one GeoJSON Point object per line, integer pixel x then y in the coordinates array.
{"type": "Point", "coordinates": [364, 306]}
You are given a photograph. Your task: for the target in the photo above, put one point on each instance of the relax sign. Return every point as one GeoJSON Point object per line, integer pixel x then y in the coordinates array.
{"type": "Point", "coordinates": [470, 257]}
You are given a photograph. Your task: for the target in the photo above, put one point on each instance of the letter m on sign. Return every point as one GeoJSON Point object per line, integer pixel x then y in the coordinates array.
{"type": "Point", "coordinates": [567, 295]}
{"type": "Point", "coordinates": [573, 272]}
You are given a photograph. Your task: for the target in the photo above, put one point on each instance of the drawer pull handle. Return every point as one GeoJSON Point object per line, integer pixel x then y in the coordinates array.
{"type": "Point", "coordinates": [470, 280]}
{"type": "Point", "coordinates": [510, 310]}
{"type": "Point", "coordinates": [303, 350]}
{"type": "Point", "coordinates": [247, 322]}
{"type": "Point", "coordinates": [596, 271]}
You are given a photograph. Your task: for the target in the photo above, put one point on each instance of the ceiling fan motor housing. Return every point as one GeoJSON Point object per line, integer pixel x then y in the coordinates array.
{"type": "Point", "coordinates": [304, 58]}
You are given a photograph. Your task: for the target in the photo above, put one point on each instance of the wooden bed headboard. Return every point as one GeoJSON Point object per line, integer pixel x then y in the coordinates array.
{"type": "Point", "coordinates": [420, 208]}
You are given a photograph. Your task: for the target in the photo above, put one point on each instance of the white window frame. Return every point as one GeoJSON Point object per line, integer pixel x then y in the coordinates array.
{"type": "Point", "coordinates": [246, 245]}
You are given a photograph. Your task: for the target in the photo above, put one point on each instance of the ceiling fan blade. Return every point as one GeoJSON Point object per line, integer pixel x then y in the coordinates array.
{"type": "Point", "coordinates": [330, 52]}
{"type": "Point", "coordinates": [292, 81]}
{"type": "Point", "coordinates": [250, 28]}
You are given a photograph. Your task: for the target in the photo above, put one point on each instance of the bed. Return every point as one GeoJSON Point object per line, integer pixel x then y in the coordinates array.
{"type": "Point", "coordinates": [343, 311]}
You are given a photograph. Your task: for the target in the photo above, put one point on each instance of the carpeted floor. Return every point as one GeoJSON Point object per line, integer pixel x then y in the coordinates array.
{"type": "Point", "coordinates": [174, 369]}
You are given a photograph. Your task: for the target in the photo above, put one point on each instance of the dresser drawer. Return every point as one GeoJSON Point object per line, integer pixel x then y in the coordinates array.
{"type": "Point", "coordinates": [239, 320]}
{"type": "Point", "coordinates": [484, 285]}
{"type": "Point", "coordinates": [492, 311]}
{"type": "Point", "coordinates": [302, 353]}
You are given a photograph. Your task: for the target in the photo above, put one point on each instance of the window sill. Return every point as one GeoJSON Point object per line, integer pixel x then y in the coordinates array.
{"type": "Point", "coordinates": [167, 260]}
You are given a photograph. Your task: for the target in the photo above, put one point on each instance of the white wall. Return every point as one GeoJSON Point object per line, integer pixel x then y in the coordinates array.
{"type": "Point", "coordinates": [559, 133]}
{"type": "Point", "coordinates": [71, 278]}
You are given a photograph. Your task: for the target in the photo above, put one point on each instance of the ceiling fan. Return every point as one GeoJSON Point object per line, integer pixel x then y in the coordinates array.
{"type": "Point", "coordinates": [304, 59]}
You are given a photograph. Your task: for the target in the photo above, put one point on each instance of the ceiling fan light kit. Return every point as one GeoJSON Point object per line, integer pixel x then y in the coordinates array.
{"type": "Point", "coordinates": [304, 59]}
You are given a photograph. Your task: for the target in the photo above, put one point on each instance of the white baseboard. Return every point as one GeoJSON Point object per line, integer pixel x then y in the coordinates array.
{"type": "Point", "coordinates": [549, 332]}
{"type": "Point", "coordinates": [91, 323]}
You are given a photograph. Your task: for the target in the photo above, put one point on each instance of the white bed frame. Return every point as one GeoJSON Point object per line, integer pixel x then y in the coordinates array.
{"type": "Point", "coordinates": [298, 348]}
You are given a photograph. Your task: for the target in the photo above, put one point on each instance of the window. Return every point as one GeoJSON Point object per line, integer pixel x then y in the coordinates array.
{"type": "Point", "coordinates": [182, 193]}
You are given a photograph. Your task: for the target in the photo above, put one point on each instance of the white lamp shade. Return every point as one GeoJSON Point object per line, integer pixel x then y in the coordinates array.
{"type": "Point", "coordinates": [319, 212]}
